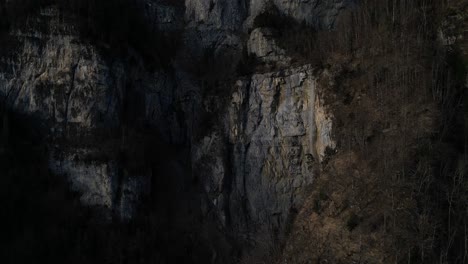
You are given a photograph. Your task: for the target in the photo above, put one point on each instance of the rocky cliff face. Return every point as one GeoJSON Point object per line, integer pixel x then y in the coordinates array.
{"type": "Point", "coordinates": [220, 131]}
{"type": "Point", "coordinates": [320, 14]}
{"type": "Point", "coordinates": [266, 137]}
{"type": "Point", "coordinates": [80, 98]}
{"type": "Point", "coordinates": [276, 133]}
{"type": "Point", "coordinates": [69, 87]}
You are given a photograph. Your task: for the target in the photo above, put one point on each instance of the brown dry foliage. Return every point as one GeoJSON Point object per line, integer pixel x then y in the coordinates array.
{"type": "Point", "coordinates": [383, 197]}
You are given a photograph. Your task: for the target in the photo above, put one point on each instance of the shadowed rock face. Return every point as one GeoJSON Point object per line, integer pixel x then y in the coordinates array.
{"type": "Point", "coordinates": [67, 84]}
{"type": "Point", "coordinates": [222, 14]}
{"type": "Point", "coordinates": [249, 168]}
{"type": "Point", "coordinates": [262, 45]}
{"type": "Point", "coordinates": [320, 14]}
{"type": "Point", "coordinates": [232, 15]}
{"type": "Point", "coordinates": [82, 98]}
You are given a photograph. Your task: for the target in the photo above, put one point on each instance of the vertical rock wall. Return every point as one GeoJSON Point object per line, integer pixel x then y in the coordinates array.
{"type": "Point", "coordinates": [253, 165]}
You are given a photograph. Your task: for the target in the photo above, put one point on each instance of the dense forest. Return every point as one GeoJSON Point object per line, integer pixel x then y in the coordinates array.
{"type": "Point", "coordinates": [387, 52]}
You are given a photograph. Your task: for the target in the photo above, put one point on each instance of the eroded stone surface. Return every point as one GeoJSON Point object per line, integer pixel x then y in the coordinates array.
{"type": "Point", "coordinates": [76, 94]}
{"type": "Point", "coordinates": [277, 132]}
{"type": "Point", "coordinates": [252, 165]}
{"type": "Point", "coordinates": [321, 14]}
{"type": "Point", "coordinates": [262, 45]}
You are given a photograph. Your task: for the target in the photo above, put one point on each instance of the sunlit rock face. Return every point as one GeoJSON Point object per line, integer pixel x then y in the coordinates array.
{"type": "Point", "coordinates": [56, 76]}
{"type": "Point", "coordinates": [247, 172]}
{"type": "Point", "coordinates": [276, 133]}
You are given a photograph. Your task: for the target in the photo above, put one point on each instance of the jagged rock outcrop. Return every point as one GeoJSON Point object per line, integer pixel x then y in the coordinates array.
{"type": "Point", "coordinates": [58, 77]}
{"type": "Point", "coordinates": [219, 26]}
{"type": "Point", "coordinates": [253, 165]}
{"type": "Point", "coordinates": [222, 14]}
{"type": "Point", "coordinates": [231, 15]}
{"type": "Point", "coordinates": [321, 14]}
{"type": "Point", "coordinates": [277, 133]}
{"type": "Point", "coordinates": [262, 45]}
{"type": "Point", "coordinates": [236, 129]}
{"type": "Point", "coordinates": [65, 83]}
{"type": "Point", "coordinates": [78, 96]}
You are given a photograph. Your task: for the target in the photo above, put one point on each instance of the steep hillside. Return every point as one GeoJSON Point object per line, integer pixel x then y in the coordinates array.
{"type": "Point", "coordinates": [218, 131]}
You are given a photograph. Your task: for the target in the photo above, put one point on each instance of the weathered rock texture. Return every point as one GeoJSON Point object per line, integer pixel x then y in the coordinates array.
{"type": "Point", "coordinates": [79, 97]}
{"type": "Point", "coordinates": [223, 14]}
{"type": "Point", "coordinates": [321, 14]}
{"type": "Point", "coordinates": [275, 136]}
{"type": "Point", "coordinates": [249, 170]}
{"type": "Point", "coordinates": [262, 45]}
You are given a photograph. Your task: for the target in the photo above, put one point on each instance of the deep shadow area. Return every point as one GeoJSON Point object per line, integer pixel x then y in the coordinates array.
{"type": "Point", "coordinates": [44, 221]}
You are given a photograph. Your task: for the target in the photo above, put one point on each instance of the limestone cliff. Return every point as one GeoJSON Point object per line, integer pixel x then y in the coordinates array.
{"type": "Point", "coordinates": [253, 165]}
{"type": "Point", "coordinates": [213, 130]}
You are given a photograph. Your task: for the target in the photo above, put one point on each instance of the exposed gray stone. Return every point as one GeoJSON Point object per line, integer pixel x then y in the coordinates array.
{"type": "Point", "coordinates": [321, 14]}
{"type": "Point", "coordinates": [252, 165]}
{"type": "Point", "coordinates": [70, 88]}
{"type": "Point", "coordinates": [225, 14]}
{"type": "Point", "coordinates": [275, 124]}
{"type": "Point", "coordinates": [262, 45]}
